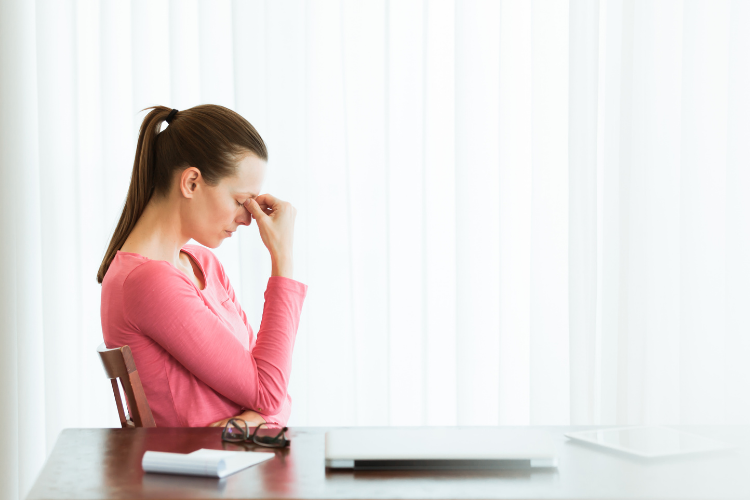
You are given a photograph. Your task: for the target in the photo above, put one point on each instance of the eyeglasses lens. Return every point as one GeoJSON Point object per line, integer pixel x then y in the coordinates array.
{"type": "Point", "coordinates": [273, 438]}
{"type": "Point", "coordinates": [235, 430]}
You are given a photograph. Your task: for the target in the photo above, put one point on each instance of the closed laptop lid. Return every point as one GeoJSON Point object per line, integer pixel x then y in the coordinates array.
{"type": "Point", "coordinates": [342, 446]}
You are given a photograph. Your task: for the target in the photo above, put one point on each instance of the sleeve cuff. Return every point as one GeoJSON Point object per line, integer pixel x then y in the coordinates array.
{"type": "Point", "coordinates": [289, 284]}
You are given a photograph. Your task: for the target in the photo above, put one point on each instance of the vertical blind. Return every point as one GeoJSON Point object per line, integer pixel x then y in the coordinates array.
{"type": "Point", "coordinates": [509, 212]}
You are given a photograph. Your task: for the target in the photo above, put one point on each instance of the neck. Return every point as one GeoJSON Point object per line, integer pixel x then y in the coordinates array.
{"type": "Point", "coordinates": [158, 233]}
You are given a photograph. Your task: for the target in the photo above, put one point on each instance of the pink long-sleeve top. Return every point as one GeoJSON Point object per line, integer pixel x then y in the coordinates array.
{"type": "Point", "coordinates": [196, 354]}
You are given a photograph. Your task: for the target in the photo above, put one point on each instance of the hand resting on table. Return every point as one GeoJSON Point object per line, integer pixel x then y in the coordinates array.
{"type": "Point", "coordinates": [252, 418]}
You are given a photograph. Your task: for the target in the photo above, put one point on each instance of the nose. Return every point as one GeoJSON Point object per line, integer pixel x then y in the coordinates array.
{"type": "Point", "coordinates": [244, 218]}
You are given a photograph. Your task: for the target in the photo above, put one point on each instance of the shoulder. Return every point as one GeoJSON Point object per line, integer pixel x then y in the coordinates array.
{"type": "Point", "coordinates": [156, 289]}
{"type": "Point", "coordinates": [153, 274]}
{"type": "Point", "coordinates": [125, 264]}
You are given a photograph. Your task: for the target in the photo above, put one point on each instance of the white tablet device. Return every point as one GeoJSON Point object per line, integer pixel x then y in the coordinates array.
{"type": "Point", "coordinates": [650, 441]}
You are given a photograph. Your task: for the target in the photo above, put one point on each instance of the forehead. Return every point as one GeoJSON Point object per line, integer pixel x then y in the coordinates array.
{"type": "Point", "coordinates": [249, 175]}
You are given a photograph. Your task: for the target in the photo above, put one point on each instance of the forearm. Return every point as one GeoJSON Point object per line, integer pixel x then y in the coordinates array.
{"type": "Point", "coordinates": [275, 339]}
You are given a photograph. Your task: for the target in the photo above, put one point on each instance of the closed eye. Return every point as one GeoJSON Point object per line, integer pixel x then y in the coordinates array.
{"type": "Point", "coordinates": [239, 203]}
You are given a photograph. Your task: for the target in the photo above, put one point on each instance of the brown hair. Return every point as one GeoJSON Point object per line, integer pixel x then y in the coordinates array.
{"type": "Point", "coordinates": [209, 137]}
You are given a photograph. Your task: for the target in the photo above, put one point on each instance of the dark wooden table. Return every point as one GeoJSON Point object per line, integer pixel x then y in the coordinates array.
{"type": "Point", "coordinates": [106, 463]}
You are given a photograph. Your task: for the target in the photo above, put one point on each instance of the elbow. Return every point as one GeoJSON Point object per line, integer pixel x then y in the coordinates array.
{"type": "Point", "coordinates": [269, 399]}
{"type": "Point", "coordinates": [269, 405]}
{"type": "Point", "coordinates": [273, 410]}
{"type": "Point", "coordinates": [271, 390]}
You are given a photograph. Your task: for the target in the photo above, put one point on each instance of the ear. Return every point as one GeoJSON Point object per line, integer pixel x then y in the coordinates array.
{"type": "Point", "coordinates": [190, 179]}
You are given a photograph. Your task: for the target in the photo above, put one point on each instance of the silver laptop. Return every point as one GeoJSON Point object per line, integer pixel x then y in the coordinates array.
{"type": "Point", "coordinates": [437, 448]}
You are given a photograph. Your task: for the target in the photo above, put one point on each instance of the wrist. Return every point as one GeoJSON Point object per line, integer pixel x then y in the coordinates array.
{"type": "Point", "coordinates": [282, 267]}
{"type": "Point", "coordinates": [253, 418]}
{"type": "Point", "coordinates": [281, 257]}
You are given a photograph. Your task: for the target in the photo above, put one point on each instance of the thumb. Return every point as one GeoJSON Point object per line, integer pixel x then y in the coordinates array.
{"type": "Point", "coordinates": [252, 206]}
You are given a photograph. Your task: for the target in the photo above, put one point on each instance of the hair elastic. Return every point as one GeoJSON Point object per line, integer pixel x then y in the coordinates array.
{"type": "Point", "coordinates": [170, 116]}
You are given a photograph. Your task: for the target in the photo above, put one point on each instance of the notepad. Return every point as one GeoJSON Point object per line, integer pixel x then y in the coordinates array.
{"type": "Point", "coordinates": [203, 462]}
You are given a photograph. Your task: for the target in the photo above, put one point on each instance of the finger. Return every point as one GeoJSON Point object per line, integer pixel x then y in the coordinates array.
{"type": "Point", "coordinates": [268, 210]}
{"type": "Point", "coordinates": [252, 206]}
{"type": "Point", "coordinates": [260, 204]}
{"type": "Point", "coordinates": [268, 200]}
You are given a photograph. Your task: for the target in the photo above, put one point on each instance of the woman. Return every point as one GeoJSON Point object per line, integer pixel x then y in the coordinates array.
{"type": "Point", "coordinates": [172, 303]}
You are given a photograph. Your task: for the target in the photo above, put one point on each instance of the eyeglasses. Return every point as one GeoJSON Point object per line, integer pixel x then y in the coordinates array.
{"type": "Point", "coordinates": [237, 431]}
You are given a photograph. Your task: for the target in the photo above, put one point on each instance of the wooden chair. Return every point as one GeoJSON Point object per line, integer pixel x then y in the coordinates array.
{"type": "Point", "coordinates": [119, 364]}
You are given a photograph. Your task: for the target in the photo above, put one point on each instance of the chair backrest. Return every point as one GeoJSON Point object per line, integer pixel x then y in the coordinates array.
{"type": "Point", "coordinates": [119, 364]}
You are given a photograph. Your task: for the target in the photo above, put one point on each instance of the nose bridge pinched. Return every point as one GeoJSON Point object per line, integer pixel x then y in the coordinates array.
{"type": "Point", "coordinates": [244, 218]}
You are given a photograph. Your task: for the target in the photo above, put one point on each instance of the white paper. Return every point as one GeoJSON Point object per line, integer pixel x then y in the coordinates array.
{"type": "Point", "coordinates": [203, 462]}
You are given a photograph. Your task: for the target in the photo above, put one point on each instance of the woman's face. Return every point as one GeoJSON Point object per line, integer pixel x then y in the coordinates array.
{"type": "Point", "coordinates": [215, 212]}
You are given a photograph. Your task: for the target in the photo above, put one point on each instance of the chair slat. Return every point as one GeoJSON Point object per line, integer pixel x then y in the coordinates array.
{"type": "Point", "coordinates": [119, 364]}
{"type": "Point", "coordinates": [118, 402]}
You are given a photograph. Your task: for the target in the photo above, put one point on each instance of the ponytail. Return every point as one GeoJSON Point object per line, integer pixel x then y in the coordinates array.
{"type": "Point", "coordinates": [141, 186]}
{"type": "Point", "coordinates": [209, 137]}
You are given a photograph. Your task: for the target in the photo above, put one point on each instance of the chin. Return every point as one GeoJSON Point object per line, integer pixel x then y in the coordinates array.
{"type": "Point", "coordinates": [210, 243]}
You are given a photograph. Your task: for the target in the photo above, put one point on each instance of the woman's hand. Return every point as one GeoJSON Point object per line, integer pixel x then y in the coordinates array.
{"type": "Point", "coordinates": [252, 418]}
{"type": "Point", "coordinates": [275, 219]}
